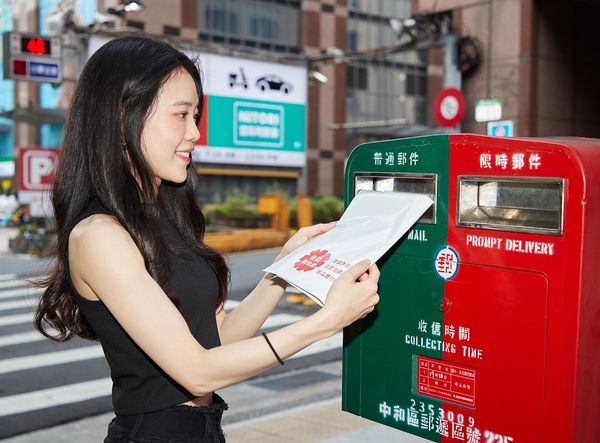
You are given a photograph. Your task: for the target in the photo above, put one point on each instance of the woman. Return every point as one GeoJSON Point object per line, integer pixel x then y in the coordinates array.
{"type": "Point", "coordinates": [132, 271]}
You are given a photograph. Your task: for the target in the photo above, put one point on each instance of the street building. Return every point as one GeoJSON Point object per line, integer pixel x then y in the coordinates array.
{"type": "Point", "coordinates": [538, 65]}
{"type": "Point", "coordinates": [244, 47]}
{"type": "Point", "coordinates": [292, 86]}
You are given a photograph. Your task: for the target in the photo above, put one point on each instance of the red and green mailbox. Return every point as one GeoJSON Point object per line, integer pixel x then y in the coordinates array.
{"type": "Point", "coordinates": [488, 327]}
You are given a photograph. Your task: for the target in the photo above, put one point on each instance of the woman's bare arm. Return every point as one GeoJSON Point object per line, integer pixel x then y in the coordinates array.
{"type": "Point", "coordinates": [247, 318]}
{"type": "Point", "coordinates": [104, 259]}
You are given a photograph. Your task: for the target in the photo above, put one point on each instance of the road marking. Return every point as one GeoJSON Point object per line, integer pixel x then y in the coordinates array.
{"type": "Point", "coordinates": [17, 304]}
{"type": "Point", "coordinates": [277, 320]}
{"type": "Point", "coordinates": [62, 395]}
{"type": "Point", "coordinates": [20, 338]}
{"type": "Point", "coordinates": [231, 304]}
{"type": "Point", "coordinates": [24, 291]}
{"type": "Point", "coordinates": [13, 283]}
{"type": "Point", "coordinates": [8, 277]}
{"type": "Point", "coordinates": [50, 359]}
{"type": "Point", "coordinates": [16, 319]}
{"type": "Point", "coordinates": [333, 342]}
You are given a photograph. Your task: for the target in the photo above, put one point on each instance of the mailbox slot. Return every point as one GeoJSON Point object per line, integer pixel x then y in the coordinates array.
{"type": "Point", "coordinates": [531, 205]}
{"type": "Point", "coordinates": [412, 183]}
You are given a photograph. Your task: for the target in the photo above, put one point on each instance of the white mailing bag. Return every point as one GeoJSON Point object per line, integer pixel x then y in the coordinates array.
{"type": "Point", "coordinates": [373, 222]}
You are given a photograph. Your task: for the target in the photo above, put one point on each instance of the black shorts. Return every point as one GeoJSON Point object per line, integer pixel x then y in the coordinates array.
{"type": "Point", "coordinates": [176, 424]}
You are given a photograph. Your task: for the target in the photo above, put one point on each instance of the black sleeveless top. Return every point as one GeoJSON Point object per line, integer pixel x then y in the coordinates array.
{"type": "Point", "coordinates": [139, 385]}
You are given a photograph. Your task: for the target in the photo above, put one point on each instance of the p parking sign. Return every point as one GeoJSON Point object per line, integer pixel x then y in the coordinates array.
{"type": "Point", "coordinates": [36, 168]}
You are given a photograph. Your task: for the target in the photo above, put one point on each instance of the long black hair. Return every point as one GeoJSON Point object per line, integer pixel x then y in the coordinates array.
{"type": "Point", "coordinates": [102, 163]}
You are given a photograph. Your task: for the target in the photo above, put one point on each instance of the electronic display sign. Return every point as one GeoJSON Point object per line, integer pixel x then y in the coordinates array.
{"type": "Point", "coordinates": [32, 57]}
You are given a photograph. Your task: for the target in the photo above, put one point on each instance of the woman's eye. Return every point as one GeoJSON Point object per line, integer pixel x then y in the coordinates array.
{"type": "Point", "coordinates": [182, 115]}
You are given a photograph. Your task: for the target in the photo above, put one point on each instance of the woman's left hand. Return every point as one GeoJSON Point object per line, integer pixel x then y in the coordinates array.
{"type": "Point", "coordinates": [303, 236]}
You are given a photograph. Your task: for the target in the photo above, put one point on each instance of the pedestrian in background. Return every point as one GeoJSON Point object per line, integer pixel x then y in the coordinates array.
{"type": "Point", "coordinates": [132, 270]}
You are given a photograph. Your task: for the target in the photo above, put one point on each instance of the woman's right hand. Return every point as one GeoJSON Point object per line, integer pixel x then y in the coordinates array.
{"type": "Point", "coordinates": [353, 295]}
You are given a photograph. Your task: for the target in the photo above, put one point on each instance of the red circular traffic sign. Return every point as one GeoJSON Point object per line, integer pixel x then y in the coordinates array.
{"type": "Point", "coordinates": [449, 107]}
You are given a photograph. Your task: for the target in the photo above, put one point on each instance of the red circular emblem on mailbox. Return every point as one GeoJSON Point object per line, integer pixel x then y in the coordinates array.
{"type": "Point", "coordinates": [313, 260]}
{"type": "Point", "coordinates": [449, 107]}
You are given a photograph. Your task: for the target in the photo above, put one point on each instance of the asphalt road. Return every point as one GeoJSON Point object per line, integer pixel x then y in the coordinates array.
{"type": "Point", "coordinates": [43, 384]}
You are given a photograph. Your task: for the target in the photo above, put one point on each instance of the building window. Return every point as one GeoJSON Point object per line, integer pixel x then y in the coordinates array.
{"type": "Point", "coordinates": [352, 41]}
{"type": "Point", "coordinates": [273, 26]}
{"type": "Point", "coordinates": [172, 30]}
{"type": "Point", "coordinates": [135, 24]}
{"type": "Point", "coordinates": [383, 87]}
{"type": "Point", "coordinates": [264, 28]}
{"type": "Point", "coordinates": [357, 77]}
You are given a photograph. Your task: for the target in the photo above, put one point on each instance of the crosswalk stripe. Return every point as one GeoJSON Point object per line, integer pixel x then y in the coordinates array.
{"type": "Point", "coordinates": [8, 277]}
{"type": "Point", "coordinates": [50, 359]}
{"type": "Point", "coordinates": [17, 304]}
{"type": "Point", "coordinates": [13, 283]}
{"type": "Point", "coordinates": [333, 342]}
{"type": "Point", "coordinates": [20, 338]}
{"type": "Point", "coordinates": [230, 304]}
{"type": "Point", "coordinates": [277, 320]}
{"type": "Point", "coordinates": [62, 395]}
{"type": "Point", "coordinates": [16, 319]}
{"type": "Point", "coordinates": [25, 292]}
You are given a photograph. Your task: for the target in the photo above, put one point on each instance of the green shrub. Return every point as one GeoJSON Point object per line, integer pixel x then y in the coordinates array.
{"type": "Point", "coordinates": [326, 208]}
{"type": "Point", "coordinates": [238, 210]}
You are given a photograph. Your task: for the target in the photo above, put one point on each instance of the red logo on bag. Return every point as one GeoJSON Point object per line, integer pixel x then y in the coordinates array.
{"type": "Point", "coordinates": [313, 260]}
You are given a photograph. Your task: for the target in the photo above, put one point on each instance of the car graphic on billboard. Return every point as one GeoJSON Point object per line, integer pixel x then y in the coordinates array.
{"type": "Point", "coordinates": [273, 83]}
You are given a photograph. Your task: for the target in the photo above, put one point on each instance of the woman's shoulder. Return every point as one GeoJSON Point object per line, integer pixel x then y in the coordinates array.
{"type": "Point", "coordinates": [93, 223]}
{"type": "Point", "coordinates": [100, 230]}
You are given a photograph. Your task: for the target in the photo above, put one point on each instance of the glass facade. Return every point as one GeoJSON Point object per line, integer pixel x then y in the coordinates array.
{"type": "Point", "coordinates": [6, 88]}
{"type": "Point", "coordinates": [386, 87]}
{"type": "Point", "coordinates": [261, 24]}
{"type": "Point", "coordinates": [50, 134]}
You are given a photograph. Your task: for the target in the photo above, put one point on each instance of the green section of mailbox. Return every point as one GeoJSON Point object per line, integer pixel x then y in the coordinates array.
{"type": "Point", "coordinates": [377, 360]}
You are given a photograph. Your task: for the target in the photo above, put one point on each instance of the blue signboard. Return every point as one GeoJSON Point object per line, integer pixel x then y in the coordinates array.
{"type": "Point", "coordinates": [503, 128]}
{"type": "Point", "coordinates": [46, 70]}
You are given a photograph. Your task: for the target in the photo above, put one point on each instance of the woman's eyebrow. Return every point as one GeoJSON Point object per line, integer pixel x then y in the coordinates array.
{"type": "Point", "coordinates": [182, 103]}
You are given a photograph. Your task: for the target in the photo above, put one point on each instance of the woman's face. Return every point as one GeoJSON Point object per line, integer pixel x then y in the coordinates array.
{"type": "Point", "coordinates": [170, 129]}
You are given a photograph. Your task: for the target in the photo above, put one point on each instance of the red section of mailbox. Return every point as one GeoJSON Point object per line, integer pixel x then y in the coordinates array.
{"type": "Point", "coordinates": [526, 287]}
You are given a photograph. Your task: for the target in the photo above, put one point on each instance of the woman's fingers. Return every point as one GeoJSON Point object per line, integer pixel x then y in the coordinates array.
{"type": "Point", "coordinates": [374, 271]}
{"type": "Point", "coordinates": [321, 228]}
{"type": "Point", "coordinates": [358, 270]}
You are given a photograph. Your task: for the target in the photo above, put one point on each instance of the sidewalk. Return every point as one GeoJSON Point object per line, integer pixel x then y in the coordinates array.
{"type": "Point", "coordinates": [322, 422]}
